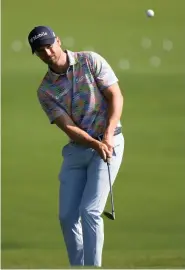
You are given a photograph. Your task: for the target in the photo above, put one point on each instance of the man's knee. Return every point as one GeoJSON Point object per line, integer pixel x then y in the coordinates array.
{"type": "Point", "coordinates": [68, 218]}
{"type": "Point", "coordinates": [89, 213]}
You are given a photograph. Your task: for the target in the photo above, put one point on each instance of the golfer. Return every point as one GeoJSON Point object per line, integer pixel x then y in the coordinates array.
{"type": "Point", "coordinates": [80, 94]}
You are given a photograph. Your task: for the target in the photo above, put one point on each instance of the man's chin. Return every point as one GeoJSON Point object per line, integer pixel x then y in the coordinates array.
{"type": "Point", "coordinates": [50, 62]}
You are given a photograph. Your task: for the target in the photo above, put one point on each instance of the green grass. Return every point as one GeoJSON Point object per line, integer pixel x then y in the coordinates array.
{"type": "Point", "coordinates": [149, 230]}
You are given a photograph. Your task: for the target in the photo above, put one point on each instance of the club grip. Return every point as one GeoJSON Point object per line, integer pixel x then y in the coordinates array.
{"type": "Point", "coordinates": [108, 160]}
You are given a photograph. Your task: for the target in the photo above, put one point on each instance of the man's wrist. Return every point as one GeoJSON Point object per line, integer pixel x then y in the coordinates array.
{"type": "Point", "coordinates": [109, 132]}
{"type": "Point", "coordinates": [94, 144]}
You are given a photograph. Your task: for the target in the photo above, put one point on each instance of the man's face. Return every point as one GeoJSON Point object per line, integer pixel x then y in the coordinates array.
{"type": "Point", "coordinates": [50, 54]}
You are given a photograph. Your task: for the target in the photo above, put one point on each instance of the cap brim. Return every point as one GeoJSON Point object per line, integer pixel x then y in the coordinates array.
{"type": "Point", "coordinates": [42, 42]}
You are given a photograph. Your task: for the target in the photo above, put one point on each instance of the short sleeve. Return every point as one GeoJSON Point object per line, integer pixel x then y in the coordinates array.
{"type": "Point", "coordinates": [102, 71]}
{"type": "Point", "coordinates": [50, 107]}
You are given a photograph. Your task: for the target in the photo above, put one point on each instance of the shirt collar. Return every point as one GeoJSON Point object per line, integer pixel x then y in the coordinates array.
{"type": "Point", "coordinates": [72, 56]}
{"type": "Point", "coordinates": [72, 61]}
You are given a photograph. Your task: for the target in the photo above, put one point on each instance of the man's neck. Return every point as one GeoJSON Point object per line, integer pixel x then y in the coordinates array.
{"type": "Point", "coordinates": [62, 65]}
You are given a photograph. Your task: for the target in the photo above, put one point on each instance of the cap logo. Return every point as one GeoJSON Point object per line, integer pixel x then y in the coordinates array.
{"type": "Point", "coordinates": [38, 36]}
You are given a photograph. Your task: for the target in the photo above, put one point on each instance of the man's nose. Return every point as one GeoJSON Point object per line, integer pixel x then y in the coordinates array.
{"type": "Point", "coordinates": [48, 52]}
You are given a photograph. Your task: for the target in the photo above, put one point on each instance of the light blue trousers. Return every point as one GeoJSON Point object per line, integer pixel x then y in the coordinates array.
{"type": "Point", "coordinates": [84, 189]}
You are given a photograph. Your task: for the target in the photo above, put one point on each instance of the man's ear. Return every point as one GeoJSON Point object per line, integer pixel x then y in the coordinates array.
{"type": "Point", "coordinates": [58, 41]}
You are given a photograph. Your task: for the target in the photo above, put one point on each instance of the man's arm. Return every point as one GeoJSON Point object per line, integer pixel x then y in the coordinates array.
{"type": "Point", "coordinates": [108, 84]}
{"type": "Point", "coordinates": [74, 133]}
{"type": "Point", "coordinates": [80, 136]}
{"type": "Point", "coordinates": [114, 99]}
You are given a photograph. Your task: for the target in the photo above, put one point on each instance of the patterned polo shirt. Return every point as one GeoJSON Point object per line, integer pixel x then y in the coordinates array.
{"type": "Point", "coordinates": [78, 92]}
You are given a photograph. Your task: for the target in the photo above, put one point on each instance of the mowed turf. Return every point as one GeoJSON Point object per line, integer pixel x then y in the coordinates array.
{"type": "Point", "coordinates": [149, 230]}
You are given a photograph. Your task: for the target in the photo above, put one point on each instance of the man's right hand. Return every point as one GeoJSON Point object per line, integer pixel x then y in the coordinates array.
{"type": "Point", "coordinates": [102, 149]}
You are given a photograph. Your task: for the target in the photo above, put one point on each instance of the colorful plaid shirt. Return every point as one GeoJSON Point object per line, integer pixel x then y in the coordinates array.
{"type": "Point", "coordinates": [78, 92]}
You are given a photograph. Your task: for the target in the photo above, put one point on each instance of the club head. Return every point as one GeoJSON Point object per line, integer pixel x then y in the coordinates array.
{"type": "Point", "coordinates": [109, 215]}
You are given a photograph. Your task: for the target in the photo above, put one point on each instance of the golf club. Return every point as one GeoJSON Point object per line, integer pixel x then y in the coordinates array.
{"type": "Point", "coordinates": [110, 215]}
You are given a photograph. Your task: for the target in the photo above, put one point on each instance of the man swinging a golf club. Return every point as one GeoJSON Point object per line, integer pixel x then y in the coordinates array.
{"type": "Point", "coordinates": [81, 96]}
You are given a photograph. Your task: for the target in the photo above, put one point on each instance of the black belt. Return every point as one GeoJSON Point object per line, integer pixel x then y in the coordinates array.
{"type": "Point", "coordinates": [116, 132]}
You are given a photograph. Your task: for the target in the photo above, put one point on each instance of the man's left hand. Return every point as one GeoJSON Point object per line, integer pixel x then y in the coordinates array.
{"type": "Point", "coordinates": [108, 139]}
